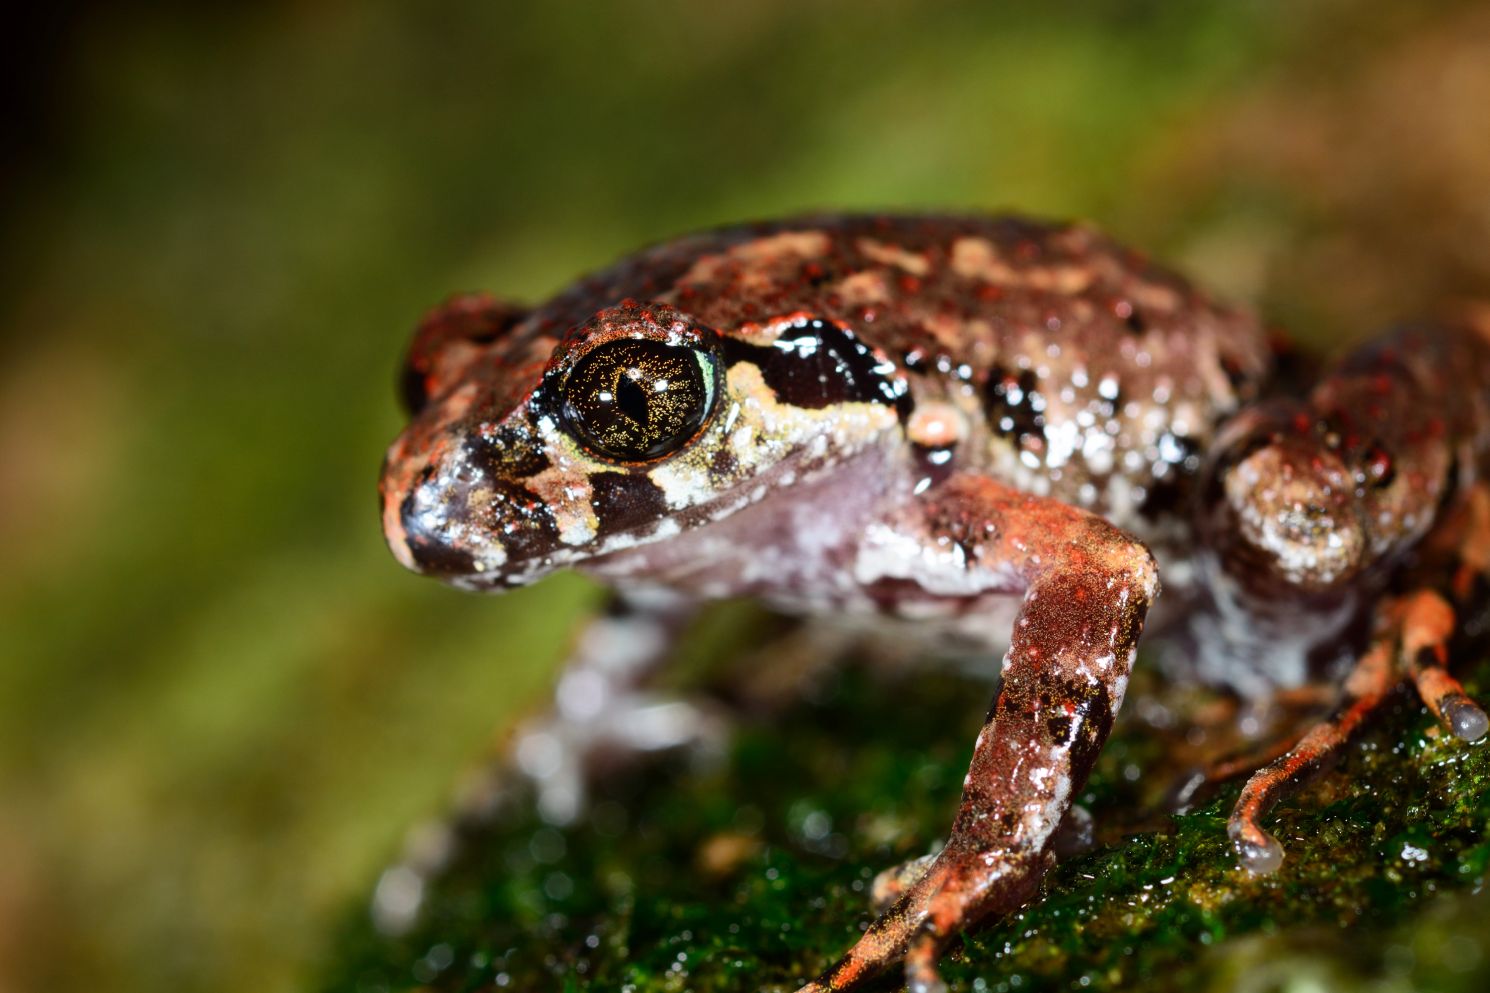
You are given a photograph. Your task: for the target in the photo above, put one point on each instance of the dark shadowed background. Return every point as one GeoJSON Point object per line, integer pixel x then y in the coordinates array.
{"type": "Point", "coordinates": [222, 703]}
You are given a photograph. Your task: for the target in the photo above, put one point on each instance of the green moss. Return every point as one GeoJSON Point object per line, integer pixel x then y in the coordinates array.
{"type": "Point", "coordinates": [752, 873]}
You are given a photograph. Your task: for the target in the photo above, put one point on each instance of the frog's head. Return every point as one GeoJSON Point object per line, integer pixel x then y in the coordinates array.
{"type": "Point", "coordinates": [1292, 506]}
{"type": "Point", "coordinates": [530, 450]}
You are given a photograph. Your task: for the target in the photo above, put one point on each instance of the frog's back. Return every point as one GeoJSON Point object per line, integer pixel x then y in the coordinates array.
{"type": "Point", "coordinates": [1081, 370]}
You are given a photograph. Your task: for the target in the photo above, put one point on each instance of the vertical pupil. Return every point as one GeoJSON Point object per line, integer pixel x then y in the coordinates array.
{"type": "Point", "coordinates": [631, 398]}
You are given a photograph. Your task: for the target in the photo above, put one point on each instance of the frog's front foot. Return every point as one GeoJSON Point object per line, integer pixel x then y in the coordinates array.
{"type": "Point", "coordinates": [955, 888]}
{"type": "Point", "coordinates": [1075, 836]}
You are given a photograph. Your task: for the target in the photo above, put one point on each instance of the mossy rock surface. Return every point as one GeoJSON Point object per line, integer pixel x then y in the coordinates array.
{"type": "Point", "coordinates": [750, 872]}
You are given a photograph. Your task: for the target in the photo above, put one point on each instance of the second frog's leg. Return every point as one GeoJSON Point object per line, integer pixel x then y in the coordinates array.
{"type": "Point", "coordinates": [1427, 622]}
{"type": "Point", "coordinates": [1086, 589]}
{"type": "Point", "coordinates": [1369, 682]}
{"type": "Point", "coordinates": [1411, 643]}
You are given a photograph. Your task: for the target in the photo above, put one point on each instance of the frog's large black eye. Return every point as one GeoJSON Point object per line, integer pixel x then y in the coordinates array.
{"type": "Point", "coordinates": [637, 399]}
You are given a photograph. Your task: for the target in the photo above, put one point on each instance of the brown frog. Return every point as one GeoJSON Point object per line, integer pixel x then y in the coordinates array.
{"type": "Point", "coordinates": [999, 429]}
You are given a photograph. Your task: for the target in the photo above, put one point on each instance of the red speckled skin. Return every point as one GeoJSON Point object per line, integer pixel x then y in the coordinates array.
{"type": "Point", "coordinates": [982, 424]}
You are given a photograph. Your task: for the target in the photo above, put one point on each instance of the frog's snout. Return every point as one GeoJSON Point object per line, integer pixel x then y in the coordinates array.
{"type": "Point", "coordinates": [1288, 510]}
{"type": "Point", "coordinates": [457, 520]}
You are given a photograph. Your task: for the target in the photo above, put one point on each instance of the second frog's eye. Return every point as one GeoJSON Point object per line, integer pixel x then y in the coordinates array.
{"type": "Point", "coordinates": [637, 399]}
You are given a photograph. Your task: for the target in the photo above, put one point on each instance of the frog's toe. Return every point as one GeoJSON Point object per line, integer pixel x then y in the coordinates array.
{"type": "Point", "coordinates": [1427, 621]}
{"type": "Point", "coordinates": [1466, 719]}
{"type": "Point", "coordinates": [960, 886]}
{"type": "Point", "coordinates": [1259, 852]}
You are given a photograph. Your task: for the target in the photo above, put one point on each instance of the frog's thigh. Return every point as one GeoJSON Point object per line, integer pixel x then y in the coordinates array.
{"type": "Point", "coordinates": [1087, 587]}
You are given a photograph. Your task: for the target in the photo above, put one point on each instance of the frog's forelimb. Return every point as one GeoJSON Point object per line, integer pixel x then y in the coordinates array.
{"type": "Point", "coordinates": [605, 710]}
{"type": "Point", "coordinates": [1427, 622]}
{"type": "Point", "coordinates": [1086, 589]}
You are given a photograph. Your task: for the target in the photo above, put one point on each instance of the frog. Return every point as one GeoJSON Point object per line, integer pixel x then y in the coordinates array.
{"type": "Point", "coordinates": [996, 430]}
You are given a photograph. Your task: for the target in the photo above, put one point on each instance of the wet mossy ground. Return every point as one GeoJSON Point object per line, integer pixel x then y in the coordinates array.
{"type": "Point", "coordinates": [750, 871]}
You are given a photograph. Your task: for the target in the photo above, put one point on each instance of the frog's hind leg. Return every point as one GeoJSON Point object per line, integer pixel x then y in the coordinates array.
{"type": "Point", "coordinates": [1087, 587]}
{"type": "Point", "coordinates": [1412, 643]}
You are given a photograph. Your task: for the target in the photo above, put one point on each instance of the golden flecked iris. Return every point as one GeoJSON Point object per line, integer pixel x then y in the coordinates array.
{"type": "Point", "coordinates": [635, 399]}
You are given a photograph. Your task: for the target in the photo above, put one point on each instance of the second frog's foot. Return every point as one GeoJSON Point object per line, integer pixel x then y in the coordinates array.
{"type": "Point", "coordinates": [561, 755]}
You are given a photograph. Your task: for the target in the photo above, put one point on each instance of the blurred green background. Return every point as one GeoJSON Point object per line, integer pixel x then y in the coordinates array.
{"type": "Point", "coordinates": [222, 704]}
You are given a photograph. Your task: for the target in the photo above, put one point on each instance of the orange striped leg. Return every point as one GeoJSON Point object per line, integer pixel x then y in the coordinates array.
{"type": "Point", "coordinates": [1300, 702]}
{"type": "Point", "coordinates": [1413, 644]}
{"type": "Point", "coordinates": [1427, 621]}
{"type": "Point", "coordinates": [1240, 765]}
{"type": "Point", "coordinates": [1369, 682]}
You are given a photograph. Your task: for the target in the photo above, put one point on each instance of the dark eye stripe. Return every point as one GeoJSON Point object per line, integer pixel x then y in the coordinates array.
{"type": "Point", "coordinates": [816, 364]}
